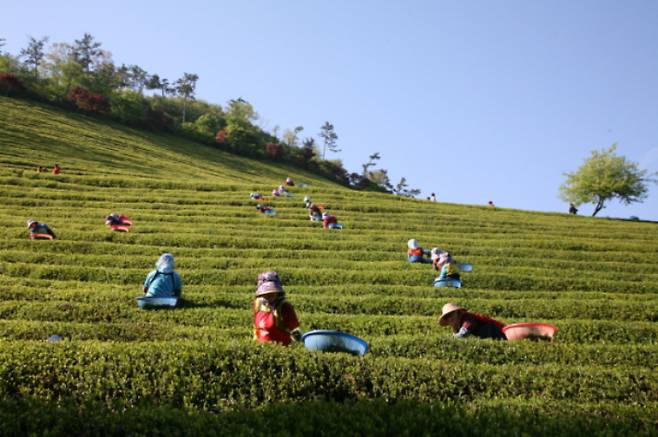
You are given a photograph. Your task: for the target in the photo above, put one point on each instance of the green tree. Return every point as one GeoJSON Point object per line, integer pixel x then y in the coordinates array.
{"type": "Point", "coordinates": [329, 138]}
{"type": "Point", "coordinates": [104, 79]}
{"type": "Point", "coordinates": [402, 189]}
{"type": "Point", "coordinates": [209, 124]}
{"type": "Point", "coordinates": [62, 70]}
{"type": "Point", "coordinates": [128, 107]}
{"type": "Point", "coordinates": [380, 178]}
{"type": "Point", "coordinates": [309, 150]}
{"type": "Point", "coordinates": [605, 176]}
{"type": "Point", "coordinates": [240, 110]}
{"type": "Point", "coordinates": [372, 159]}
{"type": "Point", "coordinates": [34, 54]}
{"type": "Point", "coordinates": [155, 83]}
{"type": "Point", "coordinates": [290, 137]}
{"type": "Point", "coordinates": [186, 87]}
{"type": "Point", "coordinates": [86, 52]}
{"type": "Point", "coordinates": [138, 78]}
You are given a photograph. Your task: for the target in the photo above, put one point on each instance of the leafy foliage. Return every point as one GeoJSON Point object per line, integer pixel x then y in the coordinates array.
{"type": "Point", "coordinates": [274, 151]}
{"type": "Point", "coordinates": [85, 99]}
{"type": "Point", "coordinates": [605, 176]}
{"type": "Point", "coordinates": [85, 74]}
{"type": "Point", "coordinates": [329, 137]}
{"type": "Point", "coordinates": [34, 53]}
{"type": "Point", "coordinates": [10, 84]}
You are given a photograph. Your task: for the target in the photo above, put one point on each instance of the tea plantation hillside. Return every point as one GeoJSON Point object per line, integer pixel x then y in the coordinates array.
{"type": "Point", "coordinates": [196, 369]}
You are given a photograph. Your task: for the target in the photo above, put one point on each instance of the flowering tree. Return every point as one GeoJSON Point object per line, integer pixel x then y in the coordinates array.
{"type": "Point", "coordinates": [84, 99]}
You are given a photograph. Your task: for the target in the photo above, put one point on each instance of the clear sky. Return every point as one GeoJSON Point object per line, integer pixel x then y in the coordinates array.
{"type": "Point", "coordinates": [475, 100]}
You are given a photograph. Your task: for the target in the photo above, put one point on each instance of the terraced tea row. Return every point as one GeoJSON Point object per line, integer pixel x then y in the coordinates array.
{"type": "Point", "coordinates": [596, 280]}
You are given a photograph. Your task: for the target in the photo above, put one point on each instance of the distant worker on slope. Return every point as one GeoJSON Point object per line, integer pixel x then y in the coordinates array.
{"type": "Point", "coordinates": [330, 221]}
{"type": "Point", "coordinates": [163, 281]}
{"type": "Point", "coordinates": [116, 219]}
{"type": "Point", "coordinates": [447, 267]}
{"type": "Point", "coordinates": [572, 209]}
{"type": "Point", "coordinates": [118, 222]}
{"type": "Point", "coordinates": [289, 182]}
{"type": "Point", "coordinates": [280, 191]}
{"type": "Point", "coordinates": [274, 317]}
{"type": "Point", "coordinates": [39, 231]}
{"type": "Point", "coordinates": [465, 324]}
{"type": "Point", "coordinates": [57, 169]}
{"type": "Point", "coordinates": [255, 196]}
{"type": "Point", "coordinates": [264, 209]}
{"type": "Point", "coordinates": [314, 213]}
{"type": "Point", "coordinates": [416, 254]}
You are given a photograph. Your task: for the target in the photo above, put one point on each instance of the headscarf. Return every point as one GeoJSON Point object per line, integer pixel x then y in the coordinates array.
{"type": "Point", "coordinates": [412, 244]}
{"type": "Point", "coordinates": [166, 263]}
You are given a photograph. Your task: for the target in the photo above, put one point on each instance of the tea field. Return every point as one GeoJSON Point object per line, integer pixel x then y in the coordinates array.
{"type": "Point", "coordinates": [196, 369]}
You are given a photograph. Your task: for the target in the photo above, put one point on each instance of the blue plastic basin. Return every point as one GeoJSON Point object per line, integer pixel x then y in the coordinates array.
{"type": "Point", "coordinates": [157, 302]}
{"type": "Point", "coordinates": [449, 283]}
{"type": "Point", "coordinates": [334, 341]}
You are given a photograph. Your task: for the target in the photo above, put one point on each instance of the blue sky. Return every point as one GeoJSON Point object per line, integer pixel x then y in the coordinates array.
{"type": "Point", "coordinates": [475, 101]}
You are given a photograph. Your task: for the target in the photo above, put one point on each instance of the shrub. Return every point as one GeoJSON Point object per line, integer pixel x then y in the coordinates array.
{"type": "Point", "coordinates": [85, 99]}
{"type": "Point", "coordinates": [128, 107]}
{"type": "Point", "coordinates": [220, 136]}
{"type": "Point", "coordinates": [157, 120]}
{"type": "Point", "coordinates": [274, 151]}
{"type": "Point", "coordinates": [11, 84]}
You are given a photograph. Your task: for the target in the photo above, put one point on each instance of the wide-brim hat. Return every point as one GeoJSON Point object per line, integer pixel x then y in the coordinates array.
{"type": "Point", "coordinates": [269, 287]}
{"type": "Point", "coordinates": [412, 244]}
{"type": "Point", "coordinates": [448, 309]}
{"type": "Point", "coordinates": [30, 222]}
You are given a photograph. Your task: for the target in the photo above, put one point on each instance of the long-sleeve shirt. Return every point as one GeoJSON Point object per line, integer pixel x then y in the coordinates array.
{"type": "Point", "coordinates": [480, 326]}
{"type": "Point", "coordinates": [42, 228]}
{"type": "Point", "coordinates": [159, 284]}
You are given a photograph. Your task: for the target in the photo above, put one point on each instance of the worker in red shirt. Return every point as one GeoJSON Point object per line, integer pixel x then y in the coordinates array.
{"type": "Point", "coordinates": [330, 221]}
{"type": "Point", "coordinates": [275, 319]}
{"type": "Point", "coordinates": [57, 169]}
{"type": "Point", "coordinates": [416, 254]}
{"type": "Point", "coordinates": [466, 324]}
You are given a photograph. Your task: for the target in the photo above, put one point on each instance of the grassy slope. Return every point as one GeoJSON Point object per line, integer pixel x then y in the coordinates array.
{"type": "Point", "coordinates": [596, 279]}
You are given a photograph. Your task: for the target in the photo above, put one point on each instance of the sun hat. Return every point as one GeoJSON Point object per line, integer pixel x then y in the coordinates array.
{"type": "Point", "coordinates": [30, 222]}
{"type": "Point", "coordinates": [268, 277]}
{"type": "Point", "coordinates": [447, 309]}
{"type": "Point", "coordinates": [412, 244]}
{"type": "Point", "coordinates": [445, 257]}
{"type": "Point", "coordinates": [436, 252]}
{"type": "Point", "coordinates": [269, 287]}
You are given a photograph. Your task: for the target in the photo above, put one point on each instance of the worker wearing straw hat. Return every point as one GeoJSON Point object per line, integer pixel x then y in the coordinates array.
{"type": "Point", "coordinates": [465, 323]}
{"type": "Point", "coordinates": [39, 230]}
